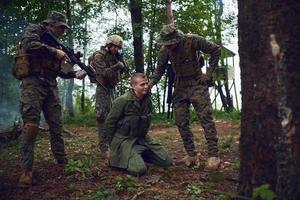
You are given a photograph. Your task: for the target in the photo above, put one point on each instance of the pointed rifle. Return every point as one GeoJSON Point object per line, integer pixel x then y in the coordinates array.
{"type": "Point", "coordinates": [74, 58]}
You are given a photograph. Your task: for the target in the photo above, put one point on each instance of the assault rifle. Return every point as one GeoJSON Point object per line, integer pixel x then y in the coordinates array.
{"type": "Point", "coordinates": [120, 57]}
{"type": "Point", "coordinates": [51, 40]}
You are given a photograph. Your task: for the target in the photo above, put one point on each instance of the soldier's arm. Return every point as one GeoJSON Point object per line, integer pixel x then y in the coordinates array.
{"type": "Point", "coordinates": [114, 116]}
{"type": "Point", "coordinates": [101, 67]}
{"type": "Point", "coordinates": [68, 75]}
{"type": "Point", "coordinates": [161, 66]}
{"type": "Point", "coordinates": [32, 43]}
{"type": "Point", "coordinates": [214, 50]}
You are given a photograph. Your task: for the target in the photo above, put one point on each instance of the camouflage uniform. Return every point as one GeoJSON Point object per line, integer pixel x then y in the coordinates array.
{"type": "Point", "coordinates": [108, 74]}
{"type": "Point", "coordinates": [127, 126]}
{"type": "Point", "coordinates": [191, 86]}
{"type": "Point", "coordinates": [39, 93]}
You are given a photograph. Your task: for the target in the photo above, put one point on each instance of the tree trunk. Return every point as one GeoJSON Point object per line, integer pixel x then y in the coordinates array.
{"type": "Point", "coordinates": [135, 7]}
{"type": "Point", "coordinates": [169, 14]}
{"type": "Point", "coordinates": [270, 128]}
{"type": "Point", "coordinates": [69, 92]}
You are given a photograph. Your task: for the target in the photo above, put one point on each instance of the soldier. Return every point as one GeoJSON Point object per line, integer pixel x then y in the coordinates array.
{"type": "Point", "coordinates": [108, 69]}
{"type": "Point", "coordinates": [191, 86]}
{"type": "Point", "coordinates": [127, 126]}
{"type": "Point", "coordinates": [39, 92]}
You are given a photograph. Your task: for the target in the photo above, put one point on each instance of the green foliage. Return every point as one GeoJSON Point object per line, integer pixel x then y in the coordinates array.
{"type": "Point", "coordinates": [234, 116]}
{"type": "Point", "coordinates": [228, 196]}
{"type": "Point", "coordinates": [101, 194]}
{"type": "Point", "coordinates": [128, 184]}
{"type": "Point", "coordinates": [161, 118]}
{"type": "Point", "coordinates": [196, 189]}
{"type": "Point", "coordinates": [82, 168]}
{"type": "Point", "coordinates": [264, 192]}
{"type": "Point", "coordinates": [82, 119]}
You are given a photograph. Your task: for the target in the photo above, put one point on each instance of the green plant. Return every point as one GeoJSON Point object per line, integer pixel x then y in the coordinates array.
{"type": "Point", "coordinates": [101, 194]}
{"type": "Point", "coordinates": [227, 196]}
{"type": "Point", "coordinates": [80, 167]}
{"type": "Point", "coordinates": [130, 184]}
{"type": "Point", "coordinates": [196, 189]}
{"type": "Point", "coordinates": [264, 192]}
{"type": "Point", "coordinates": [119, 184]}
{"type": "Point", "coordinates": [234, 115]}
{"type": "Point", "coordinates": [127, 184]}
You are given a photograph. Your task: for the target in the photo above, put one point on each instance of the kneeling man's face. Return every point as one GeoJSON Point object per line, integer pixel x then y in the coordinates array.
{"type": "Point", "coordinates": [141, 86]}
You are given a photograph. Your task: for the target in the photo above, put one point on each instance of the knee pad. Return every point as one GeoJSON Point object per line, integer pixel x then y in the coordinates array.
{"type": "Point", "coordinates": [29, 132]}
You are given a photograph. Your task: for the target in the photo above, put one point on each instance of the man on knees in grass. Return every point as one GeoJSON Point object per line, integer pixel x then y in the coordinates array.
{"type": "Point", "coordinates": [127, 127]}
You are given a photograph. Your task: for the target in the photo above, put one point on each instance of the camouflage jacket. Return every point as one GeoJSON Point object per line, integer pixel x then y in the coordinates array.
{"type": "Point", "coordinates": [103, 63]}
{"type": "Point", "coordinates": [184, 58]}
{"type": "Point", "coordinates": [43, 62]}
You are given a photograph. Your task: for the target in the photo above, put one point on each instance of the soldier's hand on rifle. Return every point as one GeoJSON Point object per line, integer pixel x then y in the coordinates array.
{"type": "Point", "coordinates": [118, 66]}
{"type": "Point", "coordinates": [61, 55]}
{"type": "Point", "coordinates": [80, 74]}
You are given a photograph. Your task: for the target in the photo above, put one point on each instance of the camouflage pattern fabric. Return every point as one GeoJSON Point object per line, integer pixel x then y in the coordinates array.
{"type": "Point", "coordinates": [126, 151]}
{"type": "Point", "coordinates": [103, 61]}
{"type": "Point", "coordinates": [36, 98]}
{"type": "Point", "coordinates": [190, 85]}
{"type": "Point", "coordinates": [39, 93]}
{"type": "Point", "coordinates": [104, 98]}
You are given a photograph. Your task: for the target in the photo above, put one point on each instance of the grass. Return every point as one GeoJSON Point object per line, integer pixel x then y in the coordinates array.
{"type": "Point", "coordinates": [89, 119]}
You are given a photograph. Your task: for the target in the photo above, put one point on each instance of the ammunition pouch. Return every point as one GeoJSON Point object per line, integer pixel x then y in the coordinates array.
{"type": "Point", "coordinates": [21, 64]}
{"type": "Point", "coordinates": [29, 132]}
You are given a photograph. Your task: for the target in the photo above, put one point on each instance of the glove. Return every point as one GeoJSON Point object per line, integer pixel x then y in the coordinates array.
{"type": "Point", "coordinates": [118, 66]}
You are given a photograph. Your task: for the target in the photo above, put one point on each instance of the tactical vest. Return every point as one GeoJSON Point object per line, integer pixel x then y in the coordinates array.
{"type": "Point", "coordinates": [42, 65]}
{"type": "Point", "coordinates": [109, 61]}
{"type": "Point", "coordinates": [185, 60]}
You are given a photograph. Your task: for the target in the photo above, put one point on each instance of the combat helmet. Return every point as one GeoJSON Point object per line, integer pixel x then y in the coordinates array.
{"type": "Point", "coordinates": [57, 19]}
{"type": "Point", "coordinates": [115, 40]}
{"type": "Point", "coordinates": [168, 35]}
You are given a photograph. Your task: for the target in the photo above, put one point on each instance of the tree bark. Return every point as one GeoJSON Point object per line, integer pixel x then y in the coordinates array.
{"type": "Point", "coordinates": [135, 7]}
{"type": "Point", "coordinates": [169, 11]}
{"type": "Point", "coordinates": [270, 128]}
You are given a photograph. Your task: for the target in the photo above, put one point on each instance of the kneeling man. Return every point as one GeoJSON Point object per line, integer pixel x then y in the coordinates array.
{"type": "Point", "coordinates": [127, 126]}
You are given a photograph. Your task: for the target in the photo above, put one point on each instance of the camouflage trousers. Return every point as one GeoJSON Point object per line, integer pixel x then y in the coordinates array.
{"type": "Point", "coordinates": [36, 98]}
{"type": "Point", "coordinates": [104, 98]}
{"type": "Point", "coordinates": [198, 96]}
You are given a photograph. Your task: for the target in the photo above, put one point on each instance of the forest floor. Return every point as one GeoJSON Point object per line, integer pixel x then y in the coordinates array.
{"type": "Point", "coordinates": [88, 176]}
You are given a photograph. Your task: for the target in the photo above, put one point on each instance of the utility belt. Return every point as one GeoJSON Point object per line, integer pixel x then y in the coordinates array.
{"type": "Point", "coordinates": [187, 75]}
{"type": "Point", "coordinates": [135, 126]}
{"type": "Point", "coordinates": [25, 64]}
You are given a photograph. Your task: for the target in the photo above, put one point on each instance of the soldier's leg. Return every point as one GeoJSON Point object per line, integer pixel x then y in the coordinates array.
{"type": "Point", "coordinates": [202, 105]}
{"type": "Point", "coordinates": [53, 115]}
{"type": "Point", "coordinates": [30, 109]}
{"type": "Point", "coordinates": [136, 163]}
{"type": "Point", "coordinates": [103, 104]}
{"type": "Point", "coordinates": [182, 122]}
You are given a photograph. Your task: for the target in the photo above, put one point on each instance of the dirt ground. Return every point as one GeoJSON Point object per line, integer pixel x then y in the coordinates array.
{"type": "Point", "coordinates": [88, 176]}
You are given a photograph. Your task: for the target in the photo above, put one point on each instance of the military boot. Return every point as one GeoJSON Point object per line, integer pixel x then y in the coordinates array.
{"type": "Point", "coordinates": [213, 163]}
{"type": "Point", "coordinates": [61, 164]}
{"type": "Point", "coordinates": [25, 178]}
{"type": "Point", "coordinates": [189, 161]}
